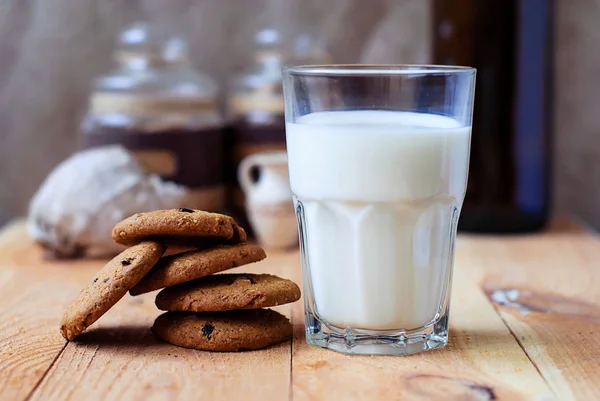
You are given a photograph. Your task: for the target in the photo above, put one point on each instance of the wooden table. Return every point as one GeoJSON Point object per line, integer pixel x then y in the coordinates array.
{"type": "Point", "coordinates": [542, 345]}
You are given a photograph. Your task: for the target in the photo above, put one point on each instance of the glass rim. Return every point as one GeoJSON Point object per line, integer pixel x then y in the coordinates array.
{"type": "Point", "coordinates": [376, 69]}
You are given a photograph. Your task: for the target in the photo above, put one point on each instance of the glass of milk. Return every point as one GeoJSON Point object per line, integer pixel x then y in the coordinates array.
{"type": "Point", "coordinates": [378, 161]}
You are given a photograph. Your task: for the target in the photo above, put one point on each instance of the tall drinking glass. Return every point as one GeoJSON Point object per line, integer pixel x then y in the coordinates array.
{"type": "Point", "coordinates": [378, 159]}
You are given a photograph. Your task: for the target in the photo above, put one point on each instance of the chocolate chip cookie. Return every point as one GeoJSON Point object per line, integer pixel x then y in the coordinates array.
{"type": "Point", "coordinates": [109, 285]}
{"type": "Point", "coordinates": [223, 331]}
{"type": "Point", "coordinates": [187, 226]}
{"type": "Point", "coordinates": [191, 265]}
{"type": "Point", "coordinates": [224, 292]}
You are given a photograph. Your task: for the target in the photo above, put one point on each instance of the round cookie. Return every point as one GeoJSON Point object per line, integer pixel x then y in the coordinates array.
{"type": "Point", "coordinates": [191, 265]}
{"type": "Point", "coordinates": [223, 331]}
{"type": "Point", "coordinates": [182, 225]}
{"type": "Point", "coordinates": [224, 292]}
{"type": "Point", "coordinates": [109, 285]}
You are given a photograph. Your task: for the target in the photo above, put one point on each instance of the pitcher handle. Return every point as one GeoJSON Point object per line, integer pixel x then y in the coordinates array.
{"type": "Point", "coordinates": [244, 171]}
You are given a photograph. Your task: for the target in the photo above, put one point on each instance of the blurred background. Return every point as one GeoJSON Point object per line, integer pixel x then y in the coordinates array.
{"type": "Point", "coordinates": [55, 53]}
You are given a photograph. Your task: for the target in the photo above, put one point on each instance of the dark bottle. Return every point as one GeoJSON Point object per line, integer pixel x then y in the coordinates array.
{"type": "Point", "coordinates": [509, 42]}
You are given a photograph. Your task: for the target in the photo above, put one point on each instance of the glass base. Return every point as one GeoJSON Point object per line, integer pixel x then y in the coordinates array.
{"type": "Point", "coordinates": [371, 342]}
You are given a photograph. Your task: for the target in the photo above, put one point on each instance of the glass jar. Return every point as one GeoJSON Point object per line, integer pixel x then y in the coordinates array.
{"type": "Point", "coordinates": [164, 111]}
{"type": "Point", "coordinates": [255, 107]}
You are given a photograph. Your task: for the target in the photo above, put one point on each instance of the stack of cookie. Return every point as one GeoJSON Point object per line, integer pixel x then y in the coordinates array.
{"type": "Point", "coordinates": [220, 312]}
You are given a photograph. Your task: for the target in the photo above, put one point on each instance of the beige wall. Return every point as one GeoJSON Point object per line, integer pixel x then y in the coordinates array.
{"type": "Point", "coordinates": [51, 49]}
{"type": "Point", "coordinates": [577, 109]}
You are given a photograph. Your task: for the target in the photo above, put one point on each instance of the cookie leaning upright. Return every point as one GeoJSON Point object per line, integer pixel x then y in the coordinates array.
{"type": "Point", "coordinates": [177, 225]}
{"type": "Point", "coordinates": [109, 286]}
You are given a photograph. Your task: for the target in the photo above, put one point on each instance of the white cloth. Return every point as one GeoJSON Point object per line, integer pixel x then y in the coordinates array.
{"type": "Point", "coordinates": [87, 194]}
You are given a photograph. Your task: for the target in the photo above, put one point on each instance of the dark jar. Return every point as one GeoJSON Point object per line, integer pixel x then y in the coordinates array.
{"type": "Point", "coordinates": [164, 111]}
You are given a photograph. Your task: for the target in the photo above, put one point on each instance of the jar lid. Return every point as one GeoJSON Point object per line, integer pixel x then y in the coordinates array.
{"type": "Point", "coordinates": [153, 73]}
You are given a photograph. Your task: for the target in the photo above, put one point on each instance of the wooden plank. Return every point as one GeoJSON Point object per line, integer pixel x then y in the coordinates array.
{"type": "Point", "coordinates": [32, 300]}
{"type": "Point", "coordinates": [546, 287]}
{"type": "Point", "coordinates": [120, 359]}
{"type": "Point", "coordinates": [554, 320]}
{"type": "Point", "coordinates": [565, 349]}
{"type": "Point", "coordinates": [482, 361]}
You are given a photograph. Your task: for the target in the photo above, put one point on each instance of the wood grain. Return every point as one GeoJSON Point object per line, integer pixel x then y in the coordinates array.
{"type": "Point", "coordinates": [482, 361]}
{"type": "Point", "coordinates": [557, 316]}
{"type": "Point", "coordinates": [119, 358]}
{"type": "Point", "coordinates": [530, 347]}
{"type": "Point", "coordinates": [32, 298]}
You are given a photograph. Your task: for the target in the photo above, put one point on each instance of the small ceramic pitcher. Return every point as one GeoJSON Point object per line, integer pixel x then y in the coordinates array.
{"type": "Point", "coordinates": [265, 181]}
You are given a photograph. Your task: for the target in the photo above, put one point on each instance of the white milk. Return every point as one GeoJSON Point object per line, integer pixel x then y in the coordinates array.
{"type": "Point", "coordinates": [379, 191]}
